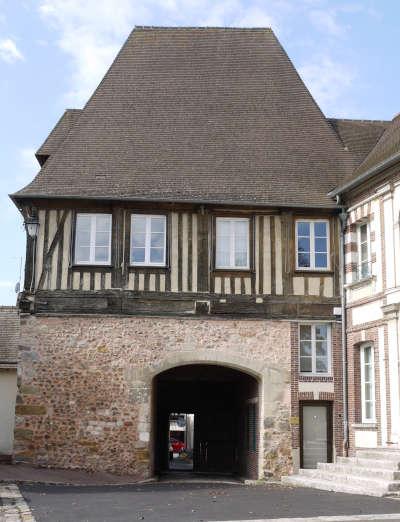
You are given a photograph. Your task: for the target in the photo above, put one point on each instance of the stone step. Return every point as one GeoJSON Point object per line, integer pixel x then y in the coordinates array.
{"type": "Point", "coordinates": [354, 480]}
{"type": "Point", "coordinates": [329, 485]}
{"type": "Point", "coordinates": [379, 454]}
{"type": "Point", "coordinates": [360, 471]}
{"type": "Point", "coordinates": [368, 463]}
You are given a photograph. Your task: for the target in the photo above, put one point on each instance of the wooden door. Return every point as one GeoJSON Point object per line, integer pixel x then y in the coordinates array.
{"type": "Point", "coordinates": [316, 434]}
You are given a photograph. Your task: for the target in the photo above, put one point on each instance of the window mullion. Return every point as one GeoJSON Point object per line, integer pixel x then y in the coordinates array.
{"type": "Point", "coordinates": [147, 240]}
{"type": "Point", "coordinates": [312, 245]}
{"type": "Point", "coordinates": [92, 238]}
{"type": "Point", "coordinates": [232, 244]}
{"type": "Point", "coordinates": [313, 350]}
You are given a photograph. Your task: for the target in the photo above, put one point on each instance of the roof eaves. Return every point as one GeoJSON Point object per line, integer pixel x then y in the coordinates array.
{"type": "Point", "coordinates": [15, 197]}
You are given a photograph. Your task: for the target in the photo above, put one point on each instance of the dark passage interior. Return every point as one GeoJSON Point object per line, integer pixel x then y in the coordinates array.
{"type": "Point", "coordinates": [225, 407]}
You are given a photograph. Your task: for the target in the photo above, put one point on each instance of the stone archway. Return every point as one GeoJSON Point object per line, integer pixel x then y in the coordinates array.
{"type": "Point", "coordinates": [274, 452]}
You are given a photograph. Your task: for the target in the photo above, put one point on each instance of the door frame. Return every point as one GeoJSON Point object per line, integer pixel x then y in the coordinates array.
{"type": "Point", "coordinates": [329, 426]}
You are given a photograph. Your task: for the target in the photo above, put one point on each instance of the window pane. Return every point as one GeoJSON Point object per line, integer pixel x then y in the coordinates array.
{"type": "Point", "coordinates": [368, 392]}
{"type": "Point", "coordinates": [321, 261]}
{"type": "Point", "coordinates": [240, 259]}
{"type": "Point", "coordinates": [222, 259]}
{"type": "Point", "coordinates": [138, 255]}
{"type": "Point", "coordinates": [157, 240]}
{"type": "Point", "coordinates": [321, 332]}
{"type": "Point", "coordinates": [363, 233]}
{"type": "Point", "coordinates": [303, 260]}
{"type": "Point", "coordinates": [367, 373]}
{"type": "Point", "coordinates": [83, 237]}
{"type": "Point", "coordinates": [223, 227]}
{"type": "Point", "coordinates": [103, 223]}
{"type": "Point", "coordinates": [305, 332]}
{"type": "Point", "coordinates": [365, 269]}
{"type": "Point", "coordinates": [303, 228]}
{"type": "Point", "coordinates": [321, 348]}
{"type": "Point", "coordinates": [305, 364]}
{"type": "Point", "coordinates": [320, 244]}
{"type": "Point", "coordinates": [156, 255]}
{"type": "Point", "coordinates": [138, 224]}
{"type": "Point", "coordinates": [102, 238]}
{"type": "Point", "coordinates": [101, 254]}
{"type": "Point", "coordinates": [367, 355]}
{"type": "Point", "coordinates": [138, 240]}
{"type": "Point", "coordinates": [320, 229]}
{"type": "Point", "coordinates": [368, 410]}
{"type": "Point", "coordinates": [83, 227]}
{"type": "Point", "coordinates": [158, 224]}
{"type": "Point", "coordinates": [364, 251]}
{"type": "Point", "coordinates": [82, 254]}
{"type": "Point", "coordinates": [241, 228]}
{"type": "Point", "coordinates": [303, 244]}
{"type": "Point", "coordinates": [241, 244]}
{"type": "Point", "coordinates": [305, 348]}
{"type": "Point", "coordinates": [321, 365]}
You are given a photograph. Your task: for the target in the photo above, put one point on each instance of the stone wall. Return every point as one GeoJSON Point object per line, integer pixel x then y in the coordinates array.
{"type": "Point", "coordinates": [84, 385]}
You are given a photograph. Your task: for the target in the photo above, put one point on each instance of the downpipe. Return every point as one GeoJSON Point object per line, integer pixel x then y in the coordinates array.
{"type": "Point", "coordinates": [343, 222]}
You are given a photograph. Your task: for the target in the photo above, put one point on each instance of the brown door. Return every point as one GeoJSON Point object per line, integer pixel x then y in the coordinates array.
{"type": "Point", "coordinates": [316, 434]}
{"type": "Point", "coordinates": [215, 441]}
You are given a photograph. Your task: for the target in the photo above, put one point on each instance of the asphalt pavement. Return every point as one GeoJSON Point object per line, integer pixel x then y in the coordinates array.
{"type": "Point", "coordinates": [185, 502]}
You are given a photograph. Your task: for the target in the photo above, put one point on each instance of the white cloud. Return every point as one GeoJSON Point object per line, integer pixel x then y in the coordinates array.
{"type": "Point", "coordinates": [9, 51]}
{"type": "Point", "coordinates": [328, 80]}
{"type": "Point", "coordinates": [325, 20]}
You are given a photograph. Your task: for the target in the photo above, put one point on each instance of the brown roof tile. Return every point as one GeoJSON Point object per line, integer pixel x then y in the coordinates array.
{"type": "Point", "coordinates": [58, 134]}
{"type": "Point", "coordinates": [191, 114]}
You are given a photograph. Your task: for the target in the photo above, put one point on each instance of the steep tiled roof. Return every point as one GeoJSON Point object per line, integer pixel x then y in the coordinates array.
{"type": "Point", "coordinates": [386, 152]}
{"type": "Point", "coordinates": [58, 134]}
{"type": "Point", "coordinates": [387, 146]}
{"type": "Point", "coordinates": [199, 114]}
{"type": "Point", "coordinates": [359, 136]}
{"type": "Point", "coordinates": [9, 335]}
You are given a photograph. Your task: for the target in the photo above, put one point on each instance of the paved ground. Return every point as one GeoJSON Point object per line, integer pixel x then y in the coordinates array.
{"type": "Point", "coordinates": [165, 502]}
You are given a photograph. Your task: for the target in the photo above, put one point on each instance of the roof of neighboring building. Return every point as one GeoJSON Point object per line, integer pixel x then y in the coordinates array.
{"type": "Point", "coordinates": [385, 151]}
{"type": "Point", "coordinates": [9, 335]}
{"type": "Point", "coordinates": [199, 115]}
{"type": "Point", "coordinates": [58, 134]}
{"type": "Point", "coordinates": [359, 136]}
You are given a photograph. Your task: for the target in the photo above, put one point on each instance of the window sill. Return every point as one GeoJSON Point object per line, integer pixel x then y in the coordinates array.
{"type": "Point", "coordinates": [313, 271]}
{"type": "Point", "coordinates": [149, 267]}
{"type": "Point", "coordinates": [316, 375]}
{"type": "Point", "coordinates": [361, 282]}
{"type": "Point", "coordinates": [365, 425]}
{"type": "Point", "coordinates": [235, 271]}
{"type": "Point", "coordinates": [91, 266]}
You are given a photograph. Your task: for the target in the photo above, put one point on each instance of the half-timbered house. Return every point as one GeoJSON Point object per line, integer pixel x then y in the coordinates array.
{"type": "Point", "coordinates": [183, 256]}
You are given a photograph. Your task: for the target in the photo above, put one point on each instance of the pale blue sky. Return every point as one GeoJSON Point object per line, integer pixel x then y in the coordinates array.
{"type": "Point", "coordinates": [54, 52]}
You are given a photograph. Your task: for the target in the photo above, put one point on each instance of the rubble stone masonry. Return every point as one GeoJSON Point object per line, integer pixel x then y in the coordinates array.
{"type": "Point", "coordinates": [85, 385]}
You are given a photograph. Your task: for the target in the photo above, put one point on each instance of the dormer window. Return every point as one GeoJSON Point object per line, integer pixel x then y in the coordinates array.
{"type": "Point", "coordinates": [148, 240]}
{"type": "Point", "coordinates": [312, 245]}
{"type": "Point", "coordinates": [93, 239]}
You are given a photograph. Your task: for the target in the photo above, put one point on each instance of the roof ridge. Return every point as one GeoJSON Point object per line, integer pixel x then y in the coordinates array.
{"type": "Point", "coordinates": [358, 120]}
{"type": "Point", "coordinates": [199, 27]}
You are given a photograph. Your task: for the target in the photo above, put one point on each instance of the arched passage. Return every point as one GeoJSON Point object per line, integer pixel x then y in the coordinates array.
{"type": "Point", "coordinates": [225, 403]}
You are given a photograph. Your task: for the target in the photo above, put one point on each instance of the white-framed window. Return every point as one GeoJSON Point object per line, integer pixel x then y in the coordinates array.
{"type": "Point", "coordinates": [232, 243]}
{"type": "Point", "coordinates": [367, 383]}
{"type": "Point", "coordinates": [312, 244]}
{"type": "Point", "coordinates": [93, 239]}
{"type": "Point", "coordinates": [315, 349]}
{"type": "Point", "coordinates": [364, 251]}
{"type": "Point", "coordinates": [148, 240]}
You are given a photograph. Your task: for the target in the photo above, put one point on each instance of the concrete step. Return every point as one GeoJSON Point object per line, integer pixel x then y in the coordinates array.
{"type": "Point", "coordinates": [366, 482]}
{"type": "Point", "coordinates": [350, 468]}
{"type": "Point", "coordinates": [379, 454]}
{"type": "Point", "coordinates": [329, 485]}
{"type": "Point", "coordinates": [369, 463]}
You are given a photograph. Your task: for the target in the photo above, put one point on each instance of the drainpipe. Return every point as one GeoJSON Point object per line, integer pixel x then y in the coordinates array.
{"type": "Point", "coordinates": [343, 221]}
